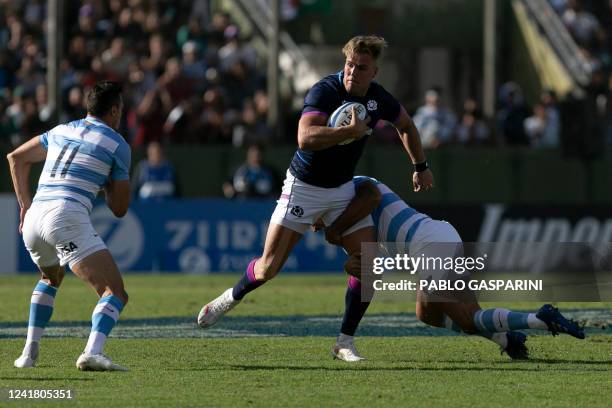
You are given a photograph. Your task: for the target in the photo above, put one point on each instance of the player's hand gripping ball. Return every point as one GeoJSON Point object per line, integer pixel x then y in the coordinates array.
{"type": "Point", "coordinates": [344, 115]}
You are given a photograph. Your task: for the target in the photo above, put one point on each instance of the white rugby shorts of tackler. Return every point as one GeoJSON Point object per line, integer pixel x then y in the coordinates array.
{"type": "Point", "coordinates": [436, 239]}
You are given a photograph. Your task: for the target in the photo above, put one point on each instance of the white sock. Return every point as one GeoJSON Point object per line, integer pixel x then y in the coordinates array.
{"type": "Point", "coordinates": [535, 323]}
{"type": "Point", "coordinates": [345, 338]}
{"type": "Point", "coordinates": [96, 342]}
{"type": "Point", "coordinates": [31, 350]}
{"type": "Point", "coordinates": [103, 319]}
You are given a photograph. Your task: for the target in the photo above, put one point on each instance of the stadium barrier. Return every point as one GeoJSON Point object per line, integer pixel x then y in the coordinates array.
{"type": "Point", "coordinates": [463, 175]}
{"type": "Point", "coordinates": [215, 235]}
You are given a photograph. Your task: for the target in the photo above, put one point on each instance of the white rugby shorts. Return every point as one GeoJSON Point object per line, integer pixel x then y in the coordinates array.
{"type": "Point", "coordinates": [301, 205]}
{"type": "Point", "coordinates": [435, 239]}
{"type": "Point", "coordinates": [59, 231]}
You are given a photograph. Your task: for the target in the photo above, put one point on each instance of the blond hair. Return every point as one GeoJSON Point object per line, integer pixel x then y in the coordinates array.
{"type": "Point", "coordinates": [365, 44]}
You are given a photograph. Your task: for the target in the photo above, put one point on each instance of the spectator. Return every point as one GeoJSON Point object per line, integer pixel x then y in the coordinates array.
{"type": "Point", "coordinates": [154, 177]}
{"type": "Point", "coordinates": [215, 126]}
{"type": "Point", "coordinates": [582, 24]}
{"type": "Point", "coordinates": [512, 114]}
{"type": "Point", "coordinates": [174, 86]}
{"type": "Point", "coordinates": [253, 179]}
{"type": "Point", "coordinates": [193, 32]}
{"type": "Point", "coordinates": [150, 119]}
{"type": "Point", "coordinates": [78, 55]}
{"type": "Point", "coordinates": [548, 98]}
{"type": "Point", "coordinates": [116, 60]}
{"type": "Point", "coordinates": [29, 76]}
{"type": "Point", "coordinates": [44, 109]}
{"type": "Point", "coordinates": [194, 68]}
{"type": "Point", "coordinates": [236, 50]}
{"type": "Point", "coordinates": [158, 54]}
{"type": "Point", "coordinates": [541, 130]}
{"type": "Point", "coordinates": [435, 122]}
{"type": "Point", "coordinates": [251, 128]}
{"type": "Point", "coordinates": [472, 130]}
{"type": "Point", "coordinates": [75, 108]}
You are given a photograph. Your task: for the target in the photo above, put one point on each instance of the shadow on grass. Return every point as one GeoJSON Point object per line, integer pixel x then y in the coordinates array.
{"type": "Point", "coordinates": [380, 325]}
{"type": "Point", "coordinates": [50, 378]}
{"type": "Point", "coordinates": [558, 361]}
{"type": "Point", "coordinates": [522, 366]}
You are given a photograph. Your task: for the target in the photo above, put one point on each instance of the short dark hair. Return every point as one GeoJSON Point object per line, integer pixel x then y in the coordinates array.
{"type": "Point", "coordinates": [103, 96]}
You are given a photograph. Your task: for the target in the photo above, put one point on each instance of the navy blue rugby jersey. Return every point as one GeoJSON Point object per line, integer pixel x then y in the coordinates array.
{"type": "Point", "coordinates": [335, 165]}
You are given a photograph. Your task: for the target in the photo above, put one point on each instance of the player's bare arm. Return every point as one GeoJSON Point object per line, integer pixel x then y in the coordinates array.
{"type": "Point", "coordinates": [20, 162]}
{"type": "Point", "coordinates": [367, 198]}
{"type": "Point", "coordinates": [411, 140]}
{"type": "Point", "coordinates": [118, 196]}
{"type": "Point", "coordinates": [314, 134]}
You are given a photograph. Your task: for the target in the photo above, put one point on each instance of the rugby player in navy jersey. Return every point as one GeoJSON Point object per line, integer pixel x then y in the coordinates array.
{"type": "Point", "coordinates": [319, 183]}
{"type": "Point", "coordinates": [399, 225]}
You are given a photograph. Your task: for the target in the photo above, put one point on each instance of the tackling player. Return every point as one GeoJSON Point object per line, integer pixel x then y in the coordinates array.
{"type": "Point", "coordinates": [81, 157]}
{"type": "Point", "coordinates": [319, 180]}
{"type": "Point", "coordinates": [396, 222]}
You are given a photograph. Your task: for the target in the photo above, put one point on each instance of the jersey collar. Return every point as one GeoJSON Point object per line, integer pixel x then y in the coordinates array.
{"type": "Point", "coordinates": [96, 121]}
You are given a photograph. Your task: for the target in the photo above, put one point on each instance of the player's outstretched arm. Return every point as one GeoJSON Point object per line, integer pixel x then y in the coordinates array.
{"type": "Point", "coordinates": [367, 198]}
{"type": "Point", "coordinates": [20, 162]}
{"type": "Point", "coordinates": [118, 196]}
{"type": "Point", "coordinates": [314, 134]}
{"type": "Point", "coordinates": [411, 139]}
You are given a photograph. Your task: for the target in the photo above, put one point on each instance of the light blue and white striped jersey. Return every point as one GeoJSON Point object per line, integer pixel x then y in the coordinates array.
{"type": "Point", "coordinates": [395, 221]}
{"type": "Point", "coordinates": [81, 156]}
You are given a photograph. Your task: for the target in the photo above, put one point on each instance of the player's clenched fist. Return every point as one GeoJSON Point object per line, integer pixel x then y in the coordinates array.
{"type": "Point", "coordinates": [359, 127]}
{"type": "Point", "coordinates": [422, 180]}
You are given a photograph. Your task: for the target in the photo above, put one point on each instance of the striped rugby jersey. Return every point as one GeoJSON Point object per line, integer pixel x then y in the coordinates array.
{"type": "Point", "coordinates": [81, 156]}
{"type": "Point", "coordinates": [395, 221]}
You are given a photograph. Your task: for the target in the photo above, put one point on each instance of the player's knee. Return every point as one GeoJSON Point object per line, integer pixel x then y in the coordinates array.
{"type": "Point", "coordinates": [54, 277]}
{"type": "Point", "coordinates": [60, 276]}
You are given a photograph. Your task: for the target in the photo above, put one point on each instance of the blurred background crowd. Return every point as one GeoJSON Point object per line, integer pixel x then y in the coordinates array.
{"type": "Point", "coordinates": [191, 76]}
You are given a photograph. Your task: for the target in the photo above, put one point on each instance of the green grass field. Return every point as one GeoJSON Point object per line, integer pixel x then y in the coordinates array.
{"type": "Point", "coordinates": [273, 350]}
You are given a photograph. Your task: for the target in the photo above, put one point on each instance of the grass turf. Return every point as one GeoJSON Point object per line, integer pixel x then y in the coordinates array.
{"type": "Point", "coordinates": [278, 367]}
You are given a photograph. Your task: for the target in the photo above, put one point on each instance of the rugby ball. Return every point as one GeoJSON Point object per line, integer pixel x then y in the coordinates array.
{"type": "Point", "coordinates": [343, 116]}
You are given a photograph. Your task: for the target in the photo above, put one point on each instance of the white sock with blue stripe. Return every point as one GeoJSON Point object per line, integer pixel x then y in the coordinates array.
{"type": "Point", "coordinates": [497, 338]}
{"type": "Point", "coordinates": [503, 320]}
{"type": "Point", "coordinates": [103, 319]}
{"type": "Point", "coordinates": [41, 309]}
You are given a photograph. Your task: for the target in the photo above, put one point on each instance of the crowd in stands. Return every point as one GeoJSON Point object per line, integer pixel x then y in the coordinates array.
{"type": "Point", "coordinates": [189, 75]}
{"type": "Point", "coordinates": [589, 22]}
{"type": "Point", "coordinates": [515, 123]}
